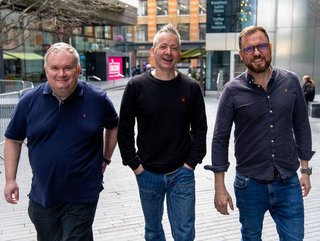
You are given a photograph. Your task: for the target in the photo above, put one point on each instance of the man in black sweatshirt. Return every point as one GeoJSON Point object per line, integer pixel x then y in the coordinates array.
{"type": "Point", "coordinates": [171, 138]}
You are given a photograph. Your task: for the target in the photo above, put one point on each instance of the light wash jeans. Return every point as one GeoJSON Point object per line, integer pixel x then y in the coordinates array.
{"type": "Point", "coordinates": [179, 190]}
{"type": "Point", "coordinates": [282, 198]}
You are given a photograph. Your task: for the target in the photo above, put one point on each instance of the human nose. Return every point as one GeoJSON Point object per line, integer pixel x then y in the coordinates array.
{"type": "Point", "coordinates": [62, 72]}
{"type": "Point", "coordinates": [168, 49]}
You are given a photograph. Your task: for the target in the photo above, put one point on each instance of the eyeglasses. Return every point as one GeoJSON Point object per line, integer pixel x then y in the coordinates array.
{"type": "Point", "coordinates": [251, 49]}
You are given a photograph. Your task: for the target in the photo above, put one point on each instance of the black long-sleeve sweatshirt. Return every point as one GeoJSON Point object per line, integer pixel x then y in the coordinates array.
{"type": "Point", "coordinates": [171, 123]}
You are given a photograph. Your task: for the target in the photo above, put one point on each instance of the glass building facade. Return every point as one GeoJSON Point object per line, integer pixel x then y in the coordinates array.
{"type": "Point", "coordinates": [26, 61]}
{"type": "Point", "coordinates": [293, 27]}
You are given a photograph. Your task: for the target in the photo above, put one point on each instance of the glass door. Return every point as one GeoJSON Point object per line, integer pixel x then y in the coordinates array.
{"type": "Point", "coordinates": [236, 65]}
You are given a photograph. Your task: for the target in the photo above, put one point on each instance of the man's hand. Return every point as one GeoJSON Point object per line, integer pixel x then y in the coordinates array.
{"type": "Point", "coordinates": [221, 196]}
{"type": "Point", "coordinates": [221, 201]}
{"type": "Point", "coordinates": [139, 170]}
{"type": "Point", "coordinates": [11, 192]}
{"type": "Point", "coordinates": [187, 166]}
{"type": "Point", "coordinates": [104, 167]}
{"type": "Point", "coordinates": [305, 184]}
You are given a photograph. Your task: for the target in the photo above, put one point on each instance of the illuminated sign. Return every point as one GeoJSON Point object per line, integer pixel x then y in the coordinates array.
{"type": "Point", "coordinates": [115, 70]}
{"type": "Point", "coordinates": [230, 15]}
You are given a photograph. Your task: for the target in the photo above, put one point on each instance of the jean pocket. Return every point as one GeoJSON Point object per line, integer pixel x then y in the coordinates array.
{"type": "Point", "coordinates": [240, 181]}
{"type": "Point", "coordinates": [292, 181]}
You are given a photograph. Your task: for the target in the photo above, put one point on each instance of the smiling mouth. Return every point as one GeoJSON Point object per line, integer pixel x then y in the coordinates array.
{"type": "Point", "coordinates": [259, 60]}
{"type": "Point", "coordinates": [167, 60]}
{"type": "Point", "coordinates": [62, 80]}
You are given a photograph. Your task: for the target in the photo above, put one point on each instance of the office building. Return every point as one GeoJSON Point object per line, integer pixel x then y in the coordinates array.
{"type": "Point", "coordinates": [214, 25]}
{"type": "Point", "coordinates": [293, 26]}
{"type": "Point", "coordinates": [189, 16]}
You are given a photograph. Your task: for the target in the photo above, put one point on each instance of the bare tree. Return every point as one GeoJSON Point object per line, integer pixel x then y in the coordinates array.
{"type": "Point", "coordinates": [17, 16]}
{"type": "Point", "coordinates": [14, 19]}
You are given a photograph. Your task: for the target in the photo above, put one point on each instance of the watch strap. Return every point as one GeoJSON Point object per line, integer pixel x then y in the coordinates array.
{"type": "Point", "coordinates": [306, 170]}
{"type": "Point", "coordinates": [106, 161]}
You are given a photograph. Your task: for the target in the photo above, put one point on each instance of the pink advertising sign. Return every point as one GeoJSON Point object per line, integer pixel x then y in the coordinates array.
{"type": "Point", "coordinates": [115, 70]}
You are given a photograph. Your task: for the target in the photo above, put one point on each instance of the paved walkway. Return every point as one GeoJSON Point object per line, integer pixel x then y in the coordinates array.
{"type": "Point", "coordinates": [119, 216]}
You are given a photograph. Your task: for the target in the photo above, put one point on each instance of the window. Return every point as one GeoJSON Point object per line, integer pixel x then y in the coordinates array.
{"type": "Point", "coordinates": [108, 32]}
{"type": "Point", "coordinates": [120, 33]}
{"type": "Point", "coordinates": [77, 31]}
{"type": "Point", "coordinates": [143, 8]}
{"type": "Point", "coordinates": [183, 7]}
{"type": "Point", "coordinates": [162, 7]}
{"type": "Point", "coordinates": [88, 31]}
{"type": "Point", "coordinates": [159, 26]}
{"type": "Point", "coordinates": [184, 31]}
{"type": "Point", "coordinates": [98, 31]}
{"type": "Point", "coordinates": [202, 6]}
{"type": "Point", "coordinates": [142, 33]}
{"type": "Point", "coordinates": [202, 31]}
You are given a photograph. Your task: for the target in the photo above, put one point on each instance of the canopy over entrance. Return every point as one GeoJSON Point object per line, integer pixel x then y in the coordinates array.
{"type": "Point", "coordinates": [194, 53]}
{"type": "Point", "coordinates": [22, 56]}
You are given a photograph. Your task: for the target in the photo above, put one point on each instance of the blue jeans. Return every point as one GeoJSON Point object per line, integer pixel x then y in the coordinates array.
{"type": "Point", "coordinates": [179, 190]}
{"type": "Point", "coordinates": [282, 198]}
{"type": "Point", "coordinates": [65, 222]}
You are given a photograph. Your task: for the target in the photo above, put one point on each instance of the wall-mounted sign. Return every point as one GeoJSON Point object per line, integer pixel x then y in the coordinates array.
{"type": "Point", "coordinates": [225, 16]}
{"type": "Point", "coordinates": [115, 70]}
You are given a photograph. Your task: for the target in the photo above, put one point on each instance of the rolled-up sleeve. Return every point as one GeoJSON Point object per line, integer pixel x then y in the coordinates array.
{"type": "Point", "coordinates": [221, 134]}
{"type": "Point", "coordinates": [301, 127]}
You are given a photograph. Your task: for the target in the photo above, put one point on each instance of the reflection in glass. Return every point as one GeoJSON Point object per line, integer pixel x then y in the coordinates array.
{"type": "Point", "coordinates": [184, 30]}
{"type": "Point", "coordinates": [142, 33]}
{"type": "Point", "coordinates": [202, 31]}
{"type": "Point", "coordinates": [183, 7]}
{"type": "Point", "coordinates": [202, 6]}
{"type": "Point", "coordinates": [143, 8]}
{"type": "Point", "coordinates": [162, 7]}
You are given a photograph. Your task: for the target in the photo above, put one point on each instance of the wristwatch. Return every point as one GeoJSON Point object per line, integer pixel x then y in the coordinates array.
{"type": "Point", "coordinates": [106, 161]}
{"type": "Point", "coordinates": [306, 170]}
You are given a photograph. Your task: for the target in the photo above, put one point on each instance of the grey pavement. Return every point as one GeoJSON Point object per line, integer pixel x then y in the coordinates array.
{"type": "Point", "coordinates": [119, 216]}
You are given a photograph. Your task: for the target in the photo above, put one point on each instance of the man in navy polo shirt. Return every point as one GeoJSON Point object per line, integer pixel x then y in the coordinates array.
{"type": "Point", "coordinates": [71, 133]}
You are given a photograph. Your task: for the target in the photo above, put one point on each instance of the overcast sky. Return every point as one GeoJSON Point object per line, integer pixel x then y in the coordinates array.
{"type": "Point", "coordinates": [134, 3]}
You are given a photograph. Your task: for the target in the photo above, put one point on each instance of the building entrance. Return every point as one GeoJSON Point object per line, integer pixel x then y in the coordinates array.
{"type": "Point", "coordinates": [236, 65]}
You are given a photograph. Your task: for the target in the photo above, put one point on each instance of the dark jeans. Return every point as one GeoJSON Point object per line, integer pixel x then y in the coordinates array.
{"type": "Point", "coordinates": [282, 198]}
{"type": "Point", "coordinates": [65, 222]}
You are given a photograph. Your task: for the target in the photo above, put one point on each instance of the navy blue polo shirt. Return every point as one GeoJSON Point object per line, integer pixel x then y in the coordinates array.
{"type": "Point", "coordinates": [65, 142]}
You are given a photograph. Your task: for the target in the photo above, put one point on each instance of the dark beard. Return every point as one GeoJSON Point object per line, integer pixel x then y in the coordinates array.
{"type": "Point", "coordinates": [259, 69]}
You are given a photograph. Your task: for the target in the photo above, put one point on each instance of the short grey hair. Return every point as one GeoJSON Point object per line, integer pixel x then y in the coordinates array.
{"type": "Point", "coordinates": [62, 46]}
{"type": "Point", "coordinates": [168, 28]}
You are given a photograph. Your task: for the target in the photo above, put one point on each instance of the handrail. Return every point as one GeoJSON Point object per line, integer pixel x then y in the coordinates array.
{"type": "Point", "coordinates": [7, 86]}
{"type": "Point", "coordinates": [10, 94]}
